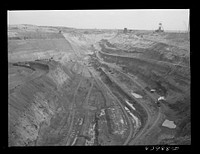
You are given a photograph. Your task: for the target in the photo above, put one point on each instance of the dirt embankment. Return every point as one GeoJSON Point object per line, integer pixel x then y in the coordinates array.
{"type": "Point", "coordinates": [35, 35]}
{"type": "Point", "coordinates": [34, 45]}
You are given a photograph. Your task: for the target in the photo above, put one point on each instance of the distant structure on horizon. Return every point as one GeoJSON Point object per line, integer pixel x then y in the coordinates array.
{"type": "Point", "coordinates": [160, 28]}
{"type": "Point", "coordinates": [126, 31]}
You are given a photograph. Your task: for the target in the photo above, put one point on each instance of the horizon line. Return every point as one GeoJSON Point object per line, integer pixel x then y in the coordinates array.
{"type": "Point", "coordinates": [94, 28]}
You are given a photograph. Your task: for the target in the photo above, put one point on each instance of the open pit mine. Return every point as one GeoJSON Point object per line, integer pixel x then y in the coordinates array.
{"type": "Point", "coordinates": [94, 87]}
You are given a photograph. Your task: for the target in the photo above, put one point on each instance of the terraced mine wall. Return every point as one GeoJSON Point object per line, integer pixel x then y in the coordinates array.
{"type": "Point", "coordinates": [114, 50]}
{"type": "Point", "coordinates": [167, 79]}
{"type": "Point", "coordinates": [121, 95]}
{"type": "Point", "coordinates": [89, 101]}
{"type": "Point", "coordinates": [158, 51]}
{"type": "Point", "coordinates": [139, 67]}
{"type": "Point", "coordinates": [15, 64]}
{"type": "Point", "coordinates": [33, 66]}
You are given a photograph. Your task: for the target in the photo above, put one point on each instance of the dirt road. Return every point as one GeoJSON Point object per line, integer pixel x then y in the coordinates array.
{"type": "Point", "coordinates": [155, 119]}
{"type": "Point", "coordinates": [150, 119]}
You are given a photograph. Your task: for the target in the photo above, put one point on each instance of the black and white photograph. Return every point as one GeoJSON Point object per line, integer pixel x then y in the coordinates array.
{"type": "Point", "coordinates": [107, 77]}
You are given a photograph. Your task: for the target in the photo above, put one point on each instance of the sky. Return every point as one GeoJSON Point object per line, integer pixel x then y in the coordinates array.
{"type": "Point", "coordinates": [144, 19]}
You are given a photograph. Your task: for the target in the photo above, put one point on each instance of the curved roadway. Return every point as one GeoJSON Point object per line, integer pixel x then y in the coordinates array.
{"type": "Point", "coordinates": [142, 133]}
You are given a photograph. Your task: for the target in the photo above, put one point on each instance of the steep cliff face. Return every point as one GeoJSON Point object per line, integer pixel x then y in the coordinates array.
{"type": "Point", "coordinates": [32, 104]}
{"type": "Point", "coordinates": [29, 123]}
{"type": "Point", "coordinates": [37, 112]}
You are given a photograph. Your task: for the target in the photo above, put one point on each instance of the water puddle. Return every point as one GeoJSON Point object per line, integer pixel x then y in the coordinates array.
{"type": "Point", "coordinates": [169, 124]}
{"type": "Point", "coordinates": [136, 95]}
{"type": "Point", "coordinates": [131, 105]}
{"type": "Point", "coordinates": [134, 118]}
{"type": "Point", "coordinates": [161, 98]}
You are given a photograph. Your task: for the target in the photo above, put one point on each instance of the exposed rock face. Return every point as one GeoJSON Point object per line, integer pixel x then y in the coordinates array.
{"type": "Point", "coordinates": [59, 76]}
{"type": "Point", "coordinates": [29, 122]}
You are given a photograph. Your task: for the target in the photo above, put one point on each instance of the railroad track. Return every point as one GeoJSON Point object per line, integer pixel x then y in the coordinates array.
{"type": "Point", "coordinates": [71, 108]}
{"type": "Point", "coordinates": [129, 120]}
{"type": "Point", "coordinates": [110, 92]}
{"type": "Point", "coordinates": [141, 134]}
{"type": "Point", "coordinates": [148, 121]}
{"type": "Point", "coordinates": [88, 95]}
